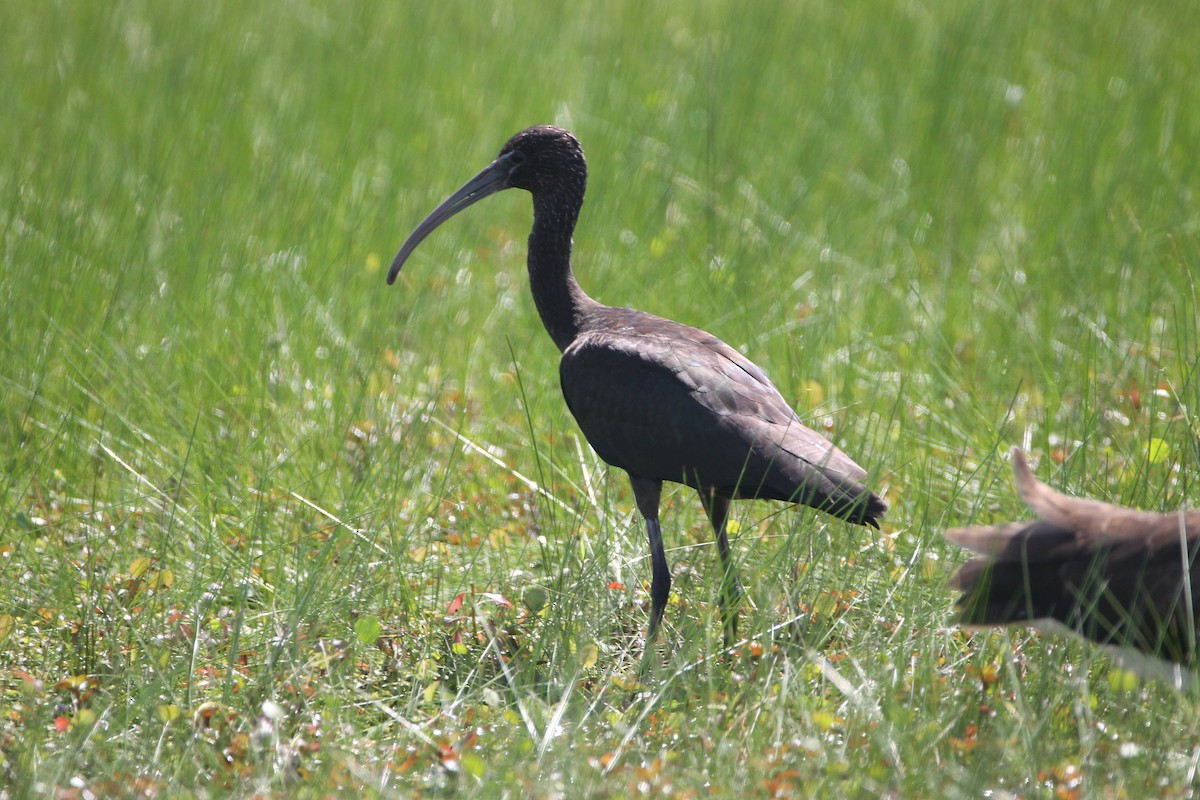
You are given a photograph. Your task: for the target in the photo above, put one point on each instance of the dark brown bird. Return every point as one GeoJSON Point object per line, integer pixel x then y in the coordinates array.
{"type": "Point", "coordinates": [660, 400]}
{"type": "Point", "coordinates": [1117, 576]}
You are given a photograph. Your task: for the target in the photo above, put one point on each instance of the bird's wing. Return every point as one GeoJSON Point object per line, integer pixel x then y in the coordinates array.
{"type": "Point", "coordinates": [671, 402]}
{"type": "Point", "coordinates": [1068, 524]}
{"type": "Point", "coordinates": [634, 405]}
{"type": "Point", "coordinates": [759, 405]}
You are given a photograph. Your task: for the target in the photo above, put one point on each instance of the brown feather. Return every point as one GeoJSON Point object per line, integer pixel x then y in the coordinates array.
{"type": "Point", "coordinates": [1114, 575]}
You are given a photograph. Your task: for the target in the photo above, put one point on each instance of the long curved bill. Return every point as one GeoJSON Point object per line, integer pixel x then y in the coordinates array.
{"type": "Point", "coordinates": [493, 178]}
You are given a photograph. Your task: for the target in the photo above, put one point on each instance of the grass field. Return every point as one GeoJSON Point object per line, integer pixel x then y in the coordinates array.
{"type": "Point", "coordinates": [267, 525]}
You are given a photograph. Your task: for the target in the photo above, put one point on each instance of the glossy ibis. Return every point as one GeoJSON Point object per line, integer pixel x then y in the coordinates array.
{"type": "Point", "coordinates": [1124, 578]}
{"type": "Point", "coordinates": [660, 400]}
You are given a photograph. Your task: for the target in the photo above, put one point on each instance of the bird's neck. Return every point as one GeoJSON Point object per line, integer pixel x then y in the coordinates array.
{"type": "Point", "coordinates": [561, 302]}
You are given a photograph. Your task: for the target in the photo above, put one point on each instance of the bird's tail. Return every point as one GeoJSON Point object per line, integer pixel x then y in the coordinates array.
{"type": "Point", "coordinates": [844, 499]}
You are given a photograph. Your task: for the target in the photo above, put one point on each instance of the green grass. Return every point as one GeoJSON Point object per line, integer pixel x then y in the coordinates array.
{"type": "Point", "coordinates": [244, 482]}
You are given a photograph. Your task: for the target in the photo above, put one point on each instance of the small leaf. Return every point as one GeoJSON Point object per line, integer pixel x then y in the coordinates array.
{"type": "Point", "coordinates": [496, 598]}
{"type": "Point", "coordinates": [455, 604]}
{"type": "Point", "coordinates": [139, 566]}
{"type": "Point", "coordinates": [626, 683]}
{"type": "Point", "coordinates": [825, 720]}
{"type": "Point", "coordinates": [534, 598]}
{"type": "Point", "coordinates": [589, 656]}
{"type": "Point", "coordinates": [168, 712]}
{"type": "Point", "coordinates": [367, 629]}
{"type": "Point", "coordinates": [1157, 451]}
{"type": "Point", "coordinates": [473, 765]}
{"type": "Point", "coordinates": [1123, 681]}
{"type": "Point", "coordinates": [161, 580]}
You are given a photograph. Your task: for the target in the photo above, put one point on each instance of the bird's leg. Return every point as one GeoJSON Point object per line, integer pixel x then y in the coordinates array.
{"type": "Point", "coordinates": [717, 508]}
{"type": "Point", "coordinates": [647, 493]}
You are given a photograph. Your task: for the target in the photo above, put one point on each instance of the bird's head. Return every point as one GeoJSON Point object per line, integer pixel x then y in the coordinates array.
{"type": "Point", "coordinates": [543, 160]}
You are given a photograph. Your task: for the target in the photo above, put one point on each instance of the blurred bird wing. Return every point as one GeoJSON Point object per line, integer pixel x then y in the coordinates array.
{"type": "Point", "coordinates": [1070, 528]}
{"type": "Point", "coordinates": [1092, 521]}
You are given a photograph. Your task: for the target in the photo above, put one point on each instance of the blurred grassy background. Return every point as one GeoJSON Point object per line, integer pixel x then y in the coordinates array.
{"type": "Point", "coordinates": [942, 230]}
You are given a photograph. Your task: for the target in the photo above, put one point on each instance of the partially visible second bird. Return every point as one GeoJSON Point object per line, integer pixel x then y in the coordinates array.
{"type": "Point", "coordinates": [1124, 578]}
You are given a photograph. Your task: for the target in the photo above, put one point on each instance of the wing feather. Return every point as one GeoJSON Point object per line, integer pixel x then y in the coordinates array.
{"type": "Point", "coordinates": [666, 401]}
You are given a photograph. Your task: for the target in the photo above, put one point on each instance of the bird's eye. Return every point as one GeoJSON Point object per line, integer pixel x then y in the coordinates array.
{"type": "Point", "coordinates": [516, 157]}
